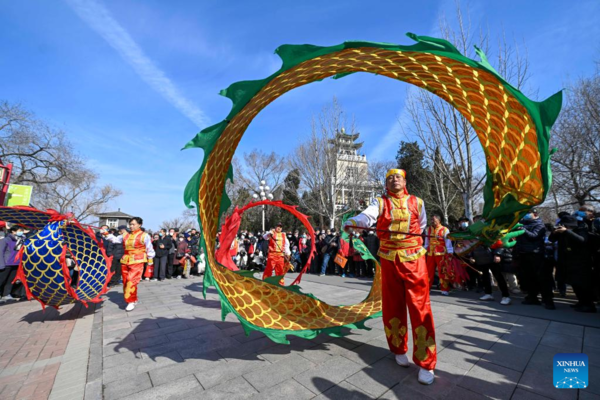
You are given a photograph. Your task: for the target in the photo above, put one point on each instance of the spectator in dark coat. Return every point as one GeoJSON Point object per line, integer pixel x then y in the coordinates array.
{"type": "Point", "coordinates": [180, 256]}
{"type": "Point", "coordinates": [171, 258]}
{"type": "Point", "coordinates": [485, 261]}
{"type": "Point", "coordinates": [163, 246]}
{"type": "Point", "coordinates": [574, 252]}
{"type": "Point", "coordinates": [101, 237]}
{"type": "Point", "coordinates": [372, 243]}
{"type": "Point", "coordinates": [117, 252]}
{"type": "Point", "coordinates": [9, 249]}
{"type": "Point", "coordinates": [529, 254]}
{"type": "Point", "coordinates": [329, 250]}
{"type": "Point", "coordinates": [508, 268]}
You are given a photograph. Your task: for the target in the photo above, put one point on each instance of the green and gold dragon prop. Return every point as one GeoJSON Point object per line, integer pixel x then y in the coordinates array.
{"type": "Point", "coordinates": [513, 130]}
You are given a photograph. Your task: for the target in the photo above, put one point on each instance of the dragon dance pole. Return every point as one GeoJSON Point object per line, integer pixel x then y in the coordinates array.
{"type": "Point", "coordinates": [417, 234]}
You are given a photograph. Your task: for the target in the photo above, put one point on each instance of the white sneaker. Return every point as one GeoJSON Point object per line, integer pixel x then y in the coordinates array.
{"type": "Point", "coordinates": [445, 293]}
{"type": "Point", "coordinates": [486, 297]}
{"type": "Point", "coordinates": [426, 376]}
{"type": "Point", "coordinates": [131, 306]}
{"type": "Point", "coordinates": [153, 280]}
{"type": "Point", "coordinates": [178, 276]}
{"type": "Point", "coordinates": [402, 360]}
{"type": "Point", "coordinates": [505, 301]}
{"type": "Point", "coordinates": [515, 291]}
{"type": "Point", "coordinates": [146, 279]}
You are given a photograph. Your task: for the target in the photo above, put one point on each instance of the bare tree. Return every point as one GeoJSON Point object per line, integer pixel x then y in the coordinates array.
{"type": "Point", "coordinates": [451, 144]}
{"type": "Point", "coordinates": [377, 171]}
{"type": "Point", "coordinates": [576, 135]}
{"type": "Point", "coordinates": [44, 158]}
{"type": "Point", "coordinates": [443, 192]}
{"type": "Point", "coordinates": [259, 166]}
{"type": "Point", "coordinates": [78, 194]}
{"type": "Point", "coordinates": [187, 220]}
{"type": "Point", "coordinates": [40, 154]}
{"type": "Point", "coordinates": [331, 180]}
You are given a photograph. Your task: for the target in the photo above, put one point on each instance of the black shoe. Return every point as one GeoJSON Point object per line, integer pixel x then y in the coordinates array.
{"type": "Point", "coordinates": [577, 305]}
{"type": "Point", "coordinates": [168, 277]}
{"type": "Point", "coordinates": [549, 305]}
{"type": "Point", "coordinates": [586, 309]}
{"type": "Point", "coordinates": [529, 302]}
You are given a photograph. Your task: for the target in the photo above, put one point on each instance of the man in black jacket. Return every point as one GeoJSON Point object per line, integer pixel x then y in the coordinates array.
{"type": "Point", "coordinates": [372, 243]}
{"type": "Point", "coordinates": [574, 252]}
{"type": "Point", "coordinates": [173, 232]}
{"type": "Point", "coordinates": [117, 251]}
{"type": "Point", "coordinates": [163, 245]}
{"type": "Point", "coordinates": [529, 255]}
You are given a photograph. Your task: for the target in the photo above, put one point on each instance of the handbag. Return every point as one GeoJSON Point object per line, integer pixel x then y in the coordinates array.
{"type": "Point", "coordinates": [340, 260]}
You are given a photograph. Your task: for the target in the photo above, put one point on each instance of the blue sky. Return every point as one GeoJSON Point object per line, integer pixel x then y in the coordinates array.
{"type": "Point", "coordinates": [132, 81]}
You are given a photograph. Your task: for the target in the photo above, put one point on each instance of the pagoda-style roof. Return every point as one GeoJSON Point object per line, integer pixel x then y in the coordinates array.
{"type": "Point", "coordinates": [341, 134]}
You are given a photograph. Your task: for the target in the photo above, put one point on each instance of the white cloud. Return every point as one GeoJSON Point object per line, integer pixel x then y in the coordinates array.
{"type": "Point", "coordinates": [100, 20]}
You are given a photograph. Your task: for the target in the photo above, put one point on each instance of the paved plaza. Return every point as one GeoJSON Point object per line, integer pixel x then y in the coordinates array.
{"type": "Point", "coordinates": [175, 346]}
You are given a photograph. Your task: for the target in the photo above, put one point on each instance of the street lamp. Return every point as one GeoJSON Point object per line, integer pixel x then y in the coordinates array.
{"type": "Point", "coordinates": [263, 192]}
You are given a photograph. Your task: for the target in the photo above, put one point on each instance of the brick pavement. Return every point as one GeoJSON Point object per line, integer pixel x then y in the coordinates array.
{"type": "Point", "coordinates": [174, 345]}
{"type": "Point", "coordinates": [32, 347]}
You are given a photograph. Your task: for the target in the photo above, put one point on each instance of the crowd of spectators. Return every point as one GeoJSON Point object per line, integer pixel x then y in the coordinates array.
{"type": "Point", "coordinates": [250, 251]}
{"type": "Point", "coordinates": [178, 254]}
{"type": "Point", "coordinates": [546, 258]}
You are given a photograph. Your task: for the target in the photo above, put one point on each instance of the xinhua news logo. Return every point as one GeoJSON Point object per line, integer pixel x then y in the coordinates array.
{"type": "Point", "coordinates": [571, 371]}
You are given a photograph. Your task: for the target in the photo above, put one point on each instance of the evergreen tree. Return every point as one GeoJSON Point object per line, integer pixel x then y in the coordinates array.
{"type": "Point", "coordinates": [291, 184]}
{"type": "Point", "coordinates": [411, 158]}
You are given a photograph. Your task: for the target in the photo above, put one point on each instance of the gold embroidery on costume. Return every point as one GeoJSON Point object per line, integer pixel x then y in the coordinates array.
{"type": "Point", "coordinates": [397, 332]}
{"type": "Point", "coordinates": [422, 343]}
{"type": "Point", "coordinates": [129, 290]}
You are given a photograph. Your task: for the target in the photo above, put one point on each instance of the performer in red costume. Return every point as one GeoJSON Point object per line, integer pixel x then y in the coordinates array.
{"type": "Point", "coordinates": [279, 252]}
{"type": "Point", "coordinates": [404, 272]}
{"type": "Point", "coordinates": [138, 251]}
{"type": "Point", "coordinates": [438, 246]}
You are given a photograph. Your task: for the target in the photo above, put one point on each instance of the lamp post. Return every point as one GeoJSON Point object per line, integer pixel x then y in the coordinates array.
{"type": "Point", "coordinates": [263, 192]}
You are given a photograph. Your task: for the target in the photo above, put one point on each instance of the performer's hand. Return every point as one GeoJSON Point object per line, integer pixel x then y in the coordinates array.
{"type": "Point", "coordinates": [497, 259]}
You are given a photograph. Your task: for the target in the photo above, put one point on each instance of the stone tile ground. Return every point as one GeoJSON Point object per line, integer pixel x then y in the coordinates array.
{"type": "Point", "coordinates": [174, 345]}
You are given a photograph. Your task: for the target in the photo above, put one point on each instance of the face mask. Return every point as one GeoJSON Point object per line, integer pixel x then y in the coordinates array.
{"type": "Point", "coordinates": [464, 225]}
{"type": "Point", "coordinates": [580, 215]}
{"type": "Point", "coordinates": [528, 217]}
{"type": "Point", "coordinates": [161, 234]}
{"type": "Point", "coordinates": [20, 233]}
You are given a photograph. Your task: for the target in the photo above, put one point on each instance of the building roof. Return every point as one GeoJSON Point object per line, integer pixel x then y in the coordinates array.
{"type": "Point", "coordinates": [114, 214]}
{"type": "Point", "coordinates": [344, 135]}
